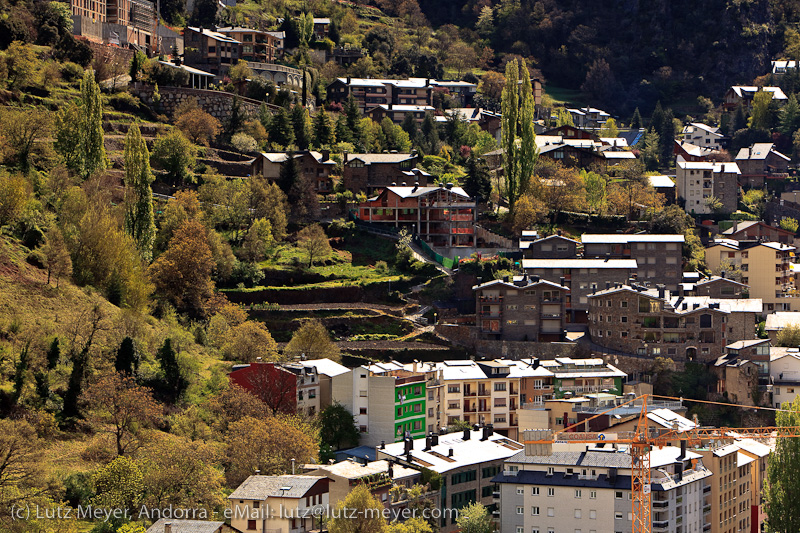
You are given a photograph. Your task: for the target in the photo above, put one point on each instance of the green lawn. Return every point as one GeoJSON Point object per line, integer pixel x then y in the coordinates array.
{"type": "Point", "coordinates": [561, 95]}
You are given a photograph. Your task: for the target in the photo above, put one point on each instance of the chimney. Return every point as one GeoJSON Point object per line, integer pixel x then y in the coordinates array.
{"type": "Point", "coordinates": [383, 445]}
{"type": "Point", "coordinates": [722, 274]}
{"type": "Point", "coordinates": [661, 290]}
{"type": "Point", "coordinates": [683, 450]}
{"type": "Point", "coordinates": [608, 285]}
{"type": "Point", "coordinates": [408, 445]}
{"type": "Point", "coordinates": [390, 105]}
{"type": "Point", "coordinates": [450, 452]}
{"type": "Point", "coordinates": [345, 155]}
{"type": "Point", "coordinates": [449, 185]}
{"type": "Point", "coordinates": [167, 527]}
{"type": "Point", "coordinates": [466, 434]}
{"type": "Point", "coordinates": [558, 233]}
{"type": "Point", "coordinates": [608, 256]}
{"type": "Point", "coordinates": [349, 79]}
{"type": "Point", "coordinates": [391, 469]}
{"type": "Point", "coordinates": [326, 154]}
{"type": "Point", "coordinates": [258, 472]}
{"type": "Point", "coordinates": [427, 444]}
{"type": "Point", "coordinates": [563, 280]}
{"type": "Point", "coordinates": [416, 186]}
{"type": "Point", "coordinates": [258, 359]}
{"type": "Point", "coordinates": [434, 439]}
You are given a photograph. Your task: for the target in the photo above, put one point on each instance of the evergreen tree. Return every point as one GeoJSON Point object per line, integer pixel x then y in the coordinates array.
{"type": "Point", "coordinates": [739, 120]}
{"type": "Point", "coordinates": [289, 174]}
{"type": "Point", "coordinates": [667, 137]}
{"type": "Point", "coordinates": [53, 354]}
{"type": "Point", "coordinates": [657, 118]}
{"type": "Point", "coordinates": [353, 114]}
{"type": "Point", "coordinates": [173, 377]}
{"type": "Point", "coordinates": [430, 134]}
{"type": "Point", "coordinates": [20, 374]}
{"type": "Point", "coordinates": [127, 360]}
{"type": "Point", "coordinates": [90, 140]}
{"type": "Point", "coordinates": [410, 126]}
{"type": "Point", "coordinates": [324, 134]}
{"type": "Point", "coordinates": [651, 151]}
{"type": "Point", "coordinates": [342, 133]}
{"type": "Point", "coordinates": [519, 139]}
{"type": "Point", "coordinates": [280, 130]}
{"type": "Point", "coordinates": [636, 120]}
{"type": "Point", "coordinates": [42, 386]}
{"type": "Point", "coordinates": [478, 183]}
{"type": "Point", "coordinates": [236, 119]}
{"type": "Point", "coordinates": [139, 220]}
{"type": "Point", "coordinates": [790, 116]}
{"type": "Point", "coordinates": [301, 124]}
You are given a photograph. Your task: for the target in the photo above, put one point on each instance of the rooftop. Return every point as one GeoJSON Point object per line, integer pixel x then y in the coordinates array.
{"type": "Point", "coordinates": [185, 526]}
{"type": "Point", "coordinates": [579, 263]}
{"type": "Point", "coordinates": [259, 487]}
{"type": "Point", "coordinates": [622, 238]}
{"type": "Point", "coordinates": [781, 319]}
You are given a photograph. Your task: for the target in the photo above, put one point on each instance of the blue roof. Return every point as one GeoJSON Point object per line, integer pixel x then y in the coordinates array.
{"type": "Point", "coordinates": [366, 453]}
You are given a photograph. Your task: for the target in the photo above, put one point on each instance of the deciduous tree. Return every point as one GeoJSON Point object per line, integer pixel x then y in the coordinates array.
{"type": "Point", "coordinates": [474, 518]}
{"type": "Point", "coordinates": [314, 242]}
{"type": "Point", "coordinates": [249, 341]}
{"type": "Point", "coordinates": [313, 341]}
{"type": "Point", "coordinates": [118, 485]}
{"type": "Point", "coordinates": [365, 513]}
{"type": "Point", "coordinates": [175, 154]}
{"type": "Point", "coordinates": [90, 140]}
{"type": "Point", "coordinates": [268, 445]}
{"type": "Point", "coordinates": [182, 274]}
{"type": "Point", "coordinates": [22, 453]}
{"type": "Point", "coordinates": [57, 259]}
{"type": "Point", "coordinates": [22, 129]}
{"type": "Point", "coordinates": [783, 475]}
{"type": "Point", "coordinates": [338, 427]}
{"type": "Point", "coordinates": [117, 402]}
{"type": "Point", "coordinates": [198, 126]}
{"type": "Point", "coordinates": [519, 140]}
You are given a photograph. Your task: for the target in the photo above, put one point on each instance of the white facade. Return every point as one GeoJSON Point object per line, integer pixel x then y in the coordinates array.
{"type": "Point", "coordinates": [371, 400]}
{"type": "Point", "coordinates": [702, 135]}
{"type": "Point", "coordinates": [784, 374]}
{"type": "Point", "coordinates": [698, 181]}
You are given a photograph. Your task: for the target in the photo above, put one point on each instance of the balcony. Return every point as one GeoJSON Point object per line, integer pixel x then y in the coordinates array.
{"type": "Point", "coordinates": [660, 504]}
{"type": "Point", "coordinates": [707, 489]}
{"type": "Point", "coordinates": [469, 393]}
{"type": "Point", "coordinates": [491, 299]}
{"type": "Point", "coordinates": [484, 392]}
{"type": "Point", "coordinates": [551, 315]}
{"type": "Point", "coordinates": [707, 526]}
{"type": "Point", "coordinates": [496, 495]}
{"type": "Point", "coordinates": [707, 508]}
{"type": "Point", "coordinates": [660, 525]}
{"type": "Point", "coordinates": [551, 300]}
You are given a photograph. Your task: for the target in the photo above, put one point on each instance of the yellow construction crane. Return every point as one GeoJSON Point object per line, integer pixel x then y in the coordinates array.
{"type": "Point", "coordinates": [644, 438]}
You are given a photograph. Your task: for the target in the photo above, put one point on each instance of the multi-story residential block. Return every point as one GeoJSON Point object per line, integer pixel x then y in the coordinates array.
{"type": "Point", "coordinates": [369, 172]}
{"type": "Point", "coordinates": [760, 163]}
{"type": "Point", "coordinates": [317, 167]}
{"type": "Point", "coordinates": [210, 50]}
{"type": "Point", "coordinates": [658, 257]}
{"type": "Point", "coordinates": [441, 216]}
{"type": "Point", "coordinates": [466, 461]}
{"type": "Point", "coordinates": [373, 92]}
{"type": "Point", "coordinates": [582, 276]}
{"type": "Point", "coordinates": [589, 489]}
{"type": "Point", "coordinates": [703, 135]}
{"type": "Point", "coordinates": [738, 377]}
{"type": "Point", "coordinates": [118, 22]}
{"type": "Point", "coordinates": [397, 112]}
{"type": "Point", "coordinates": [653, 322]}
{"type": "Point", "coordinates": [495, 392]}
{"type": "Point", "coordinates": [588, 117]}
{"type": "Point", "coordinates": [285, 504]}
{"type": "Point", "coordinates": [387, 401]}
{"type": "Point", "coordinates": [552, 247]}
{"type": "Point", "coordinates": [731, 496]}
{"type": "Point", "coordinates": [378, 476]}
{"type": "Point", "coordinates": [314, 386]}
{"type": "Point", "coordinates": [520, 310]}
{"type": "Point", "coordinates": [766, 267]}
{"type": "Point", "coordinates": [698, 182]}
{"type": "Point", "coordinates": [256, 45]}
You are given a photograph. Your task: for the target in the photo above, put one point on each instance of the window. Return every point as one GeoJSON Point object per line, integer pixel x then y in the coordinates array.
{"type": "Point", "coordinates": [550, 469]}
{"type": "Point", "coordinates": [362, 393]}
{"type": "Point", "coordinates": [551, 511]}
{"type": "Point", "coordinates": [623, 304]}
{"type": "Point", "coordinates": [454, 388]}
{"type": "Point", "coordinates": [251, 524]}
{"type": "Point", "coordinates": [577, 513]}
{"type": "Point", "coordinates": [592, 514]}
{"type": "Point", "coordinates": [500, 386]}
{"type": "Point", "coordinates": [617, 516]}
{"type": "Point", "coordinates": [577, 493]}
{"type": "Point", "coordinates": [520, 510]}
{"type": "Point", "coordinates": [534, 491]}
{"type": "Point", "coordinates": [520, 490]}
{"type": "Point", "coordinates": [362, 410]}
{"type": "Point", "coordinates": [623, 319]}
{"type": "Point", "coordinates": [618, 494]}
{"type": "Point", "coordinates": [534, 511]}
{"type": "Point", "coordinates": [593, 494]}
{"type": "Point", "coordinates": [551, 491]}
{"type": "Point", "coordinates": [520, 529]}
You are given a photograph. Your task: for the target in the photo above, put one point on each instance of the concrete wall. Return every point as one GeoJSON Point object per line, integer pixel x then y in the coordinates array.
{"type": "Point", "coordinates": [216, 103]}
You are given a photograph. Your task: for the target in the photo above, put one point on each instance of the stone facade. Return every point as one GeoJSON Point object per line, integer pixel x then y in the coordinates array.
{"type": "Point", "coordinates": [719, 287]}
{"type": "Point", "coordinates": [520, 310]}
{"type": "Point", "coordinates": [653, 323]}
{"type": "Point", "coordinates": [218, 104]}
{"type": "Point", "coordinates": [552, 247]}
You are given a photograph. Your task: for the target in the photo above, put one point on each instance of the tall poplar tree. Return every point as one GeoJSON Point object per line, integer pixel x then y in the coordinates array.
{"type": "Point", "coordinates": [783, 476]}
{"type": "Point", "coordinates": [92, 149]}
{"type": "Point", "coordinates": [519, 139]}
{"type": "Point", "coordinates": [139, 219]}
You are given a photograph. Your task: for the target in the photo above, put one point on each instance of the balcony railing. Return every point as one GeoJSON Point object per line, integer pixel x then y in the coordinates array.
{"type": "Point", "coordinates": [551, 315]}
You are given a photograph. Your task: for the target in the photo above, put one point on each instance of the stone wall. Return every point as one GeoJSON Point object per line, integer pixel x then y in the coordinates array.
{"type": "Point", "coordinates": [216, 103]}
{"type": "Point", "coordinates": [467, 337]}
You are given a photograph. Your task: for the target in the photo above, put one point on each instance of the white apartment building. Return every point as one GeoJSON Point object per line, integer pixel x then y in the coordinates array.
{"type": "Point", "coordinates": [702, 135]}
{"type": "Point", "coordinates": [698, 181]}
{"type": "Point", "coordinates": [588, 489]}
{"type": "Point", "coordinates": [784, 374]}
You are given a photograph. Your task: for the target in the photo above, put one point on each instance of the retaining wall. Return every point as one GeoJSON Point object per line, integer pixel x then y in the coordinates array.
{"type": "Point", "coordinates": [218, 104]}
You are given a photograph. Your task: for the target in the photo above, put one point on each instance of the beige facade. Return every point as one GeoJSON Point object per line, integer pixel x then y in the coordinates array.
{"type": "Point", "coordinates": [730, 496]}
{"type": "Point", "coordinates": [766, 268]}
{"type": "Point", "coordinates": [278, 504]}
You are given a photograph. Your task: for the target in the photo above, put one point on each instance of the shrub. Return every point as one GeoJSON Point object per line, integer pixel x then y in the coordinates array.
{"type": "Point", "coordinates": [244, 143]}
{"type": "Point", "coordinates": [124, 102]}
{"type": "Point", "coordinates": [381, 267]}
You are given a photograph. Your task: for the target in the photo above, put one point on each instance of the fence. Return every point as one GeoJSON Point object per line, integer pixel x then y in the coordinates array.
{"type": "Point", "coordinates": [446, 262]}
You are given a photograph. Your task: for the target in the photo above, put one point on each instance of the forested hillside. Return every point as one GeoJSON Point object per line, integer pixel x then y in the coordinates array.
{"type": "Point", "coordinates": [638, 51]}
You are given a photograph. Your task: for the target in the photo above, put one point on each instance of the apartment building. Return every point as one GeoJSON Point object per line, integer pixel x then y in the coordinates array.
{"type": "Point", "coordinates": [397, 112]}
{"type": "Point", "coordinates": [256, 45]}
{"type": "Point", "coordinates": [316, 381]}
{"type": "Point", "coordinates": [317, 167]}
{"type": "Point", "coordinates": [551, 247]}
{"type": "Point", "coordinates": [766, 267]}
{"type": "Point", "coordinates": [521, 310]}
{"type": "Point", "coordinates": [118, 22]}
{"type": "Point", "coordinates": [760, 163]}
{"type": "Point", "coordinates": [784, 373]}
{"type": "Point", "coordinates": [373, 92]}
{"type": "Point", "coordinates": [743, 95]}
{"type": "Point", "coordinates": [582, 277]}
{"type": "Point", "coordinates": [731, 496]}
{"type": "Point", "coordinates": [387, 401]}
{"type": "Point", "coordinates": [279, 504]}
{"type": "Point", "coordinates": [653, 322]}
{"type": "Point", "coordinates": [210, 50]}
{"type": "Point", "coordinates": [442, 216]}
{"type": "Point", "coordinates": [466, 461]}
{"type": "Point", "coordinates": [583, 488]}
{"type": "Point", "coordinates": [698, 182]}
{"type": "Point", "coordinates": [719, 287]}
{"type": "Point", "coordinates": [495, 392]}
{"type": "Point", "coordinates": [658, 257]}
{"type": "Point", "coordinates": [700, 134]}
{"type": "Point", "coordinates": [780, 320]}
{"type": "Point", "coordinates": [756, 230]}
{"type": "Point", "coordinates": [370, 172]}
